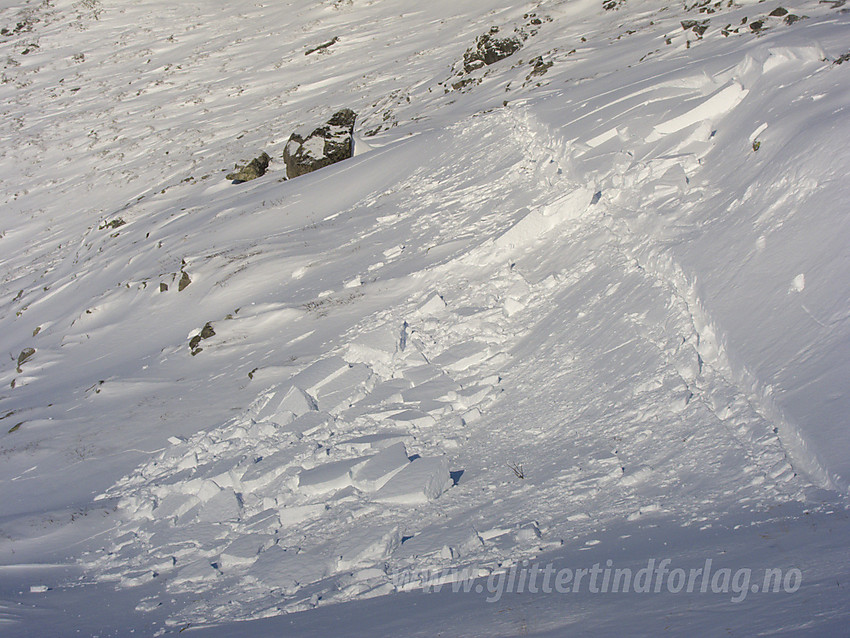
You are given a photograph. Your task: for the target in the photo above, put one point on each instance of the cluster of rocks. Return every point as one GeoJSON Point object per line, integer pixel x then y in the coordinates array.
{"type": "Point", "coordinates": [304, 153]}
{"type": "Point", "coordinates": [489, 49]}
{"type": "Point", "coordinates": [328, 144]}
{"type": "Point", "coordinates": [257, 167]}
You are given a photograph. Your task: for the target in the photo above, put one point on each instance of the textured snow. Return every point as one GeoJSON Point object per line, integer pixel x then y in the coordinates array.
{"type": "Point", "coordinates": [595, 314]}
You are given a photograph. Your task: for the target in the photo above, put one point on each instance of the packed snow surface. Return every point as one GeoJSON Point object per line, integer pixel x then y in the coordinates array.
{"type": "Point", "coordinates": [588, 303]}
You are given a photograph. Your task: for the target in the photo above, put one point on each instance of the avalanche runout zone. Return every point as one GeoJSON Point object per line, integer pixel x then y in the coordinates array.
{"type": "Point", "coordinates": [273, 503]}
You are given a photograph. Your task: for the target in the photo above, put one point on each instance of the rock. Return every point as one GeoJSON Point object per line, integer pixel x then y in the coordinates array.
{"type": "Point", "coordinates": [322, 47]}
{"type": "Point", "coordinates": [26, 355]}
{"type": "Point", "coordinates": [326, 145]}
{"type": "Point", "coordinates": [252, 170]}
{"type": "Point", "coordinates": [540, 67]}
{"type": "Point", "coordinates": [194, 343]}
{"type": "Point", "coordinates": [489, 49]}
{"type": "Point", "coordinates": [184, 281]}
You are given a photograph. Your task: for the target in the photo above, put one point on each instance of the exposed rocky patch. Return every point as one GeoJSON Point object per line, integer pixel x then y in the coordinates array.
{"type": "Point", "coordinates": [195, 342]}
{"type": "Point", "coordinates": [489, 49]}
{"type": "Point", "coordinates": [328, 144]}
{"type": "Point", "coordinates": [257, 167]}
{"type": "Point", "coordinates": [25, 355]}
{"type": "Point", "coordinates": [322, 47]}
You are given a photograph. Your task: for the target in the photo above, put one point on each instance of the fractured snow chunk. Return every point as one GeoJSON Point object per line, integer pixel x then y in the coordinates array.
{"type": "Point", "coordinates": [222, 507]}
{"type": "Point", "coordinates": [457, 540]}
{"type": "Point", "coordinates": [197, 571]}
{"type": "Point", "coordinates": [244, 550]}
{"type": "Point", "coordinates": [421, 481]}
{"type": "Point", "coordinates": [175, 504]}
{"type": "Point", "coordinates": [379, 469]}
{"type": "Point", "coordinates": [343, 388]}
{"type": "Point", "coordinates": [512, 306]}
{"type": "Point", "coordinates": [436, 388]}
{"type": "Point", "coordinates": [309, 423]}
{"type": "Point", "coordinates": [295, 514]}
{"type": "Point", "coordinates": [463, 356]}
{"type": "Point", "coordinates": [377, 441]}
{"type": "Point", "coordinates": [434, 305]}
{"type": "Point", "coordinates": [330, 476]}
{"type": "Point", "coordinates": [718, 104]}
{"type": "Point", "coordinates": [287, 569]}
{"type": "Point", "coordinates": [266, 470]}
{"type": "Point", "coordinates": [365, 545]}
{"type": "Point", "coordinates": [414, 417]}
{"type": "Point", "coordinates": [528, 533]}
{"type": "Point", "coordinates": [375, 348]}
{"type": "Point", "coordinates": [422, 373]}
{"type": "Point", "coordinates": [296, 401]}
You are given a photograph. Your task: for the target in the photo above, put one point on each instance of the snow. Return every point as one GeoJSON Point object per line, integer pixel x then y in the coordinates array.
{"type": "Point", "coordinates": [594, 315]}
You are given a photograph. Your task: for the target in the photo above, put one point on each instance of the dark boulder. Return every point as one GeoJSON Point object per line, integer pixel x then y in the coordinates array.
{"type": "Point", "coordinates": [489, 49]}
{"type": "Point", "coordinates": [257, 167]}
{"type": "Point", "coordinates": [328, 144]}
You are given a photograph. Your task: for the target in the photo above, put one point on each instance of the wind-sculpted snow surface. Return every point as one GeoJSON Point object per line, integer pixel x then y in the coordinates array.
{"type": "Point", "coordinates": [546, 315]}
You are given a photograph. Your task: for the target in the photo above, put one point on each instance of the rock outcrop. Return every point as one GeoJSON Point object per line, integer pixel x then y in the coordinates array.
{"type": "Point", "coordinates": [489, 49]}
{"type": "Point", "coordinates": [328, 144]}
{"type": "Point", "coordinates": [257, 167]}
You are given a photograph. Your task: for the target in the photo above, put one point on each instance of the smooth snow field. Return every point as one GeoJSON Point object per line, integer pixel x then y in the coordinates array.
{"type": "Point", "coordinates": [562, 350]}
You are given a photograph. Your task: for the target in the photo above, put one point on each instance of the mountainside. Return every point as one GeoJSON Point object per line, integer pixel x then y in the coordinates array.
{"type": "Point", "coordinates": [580, 296]}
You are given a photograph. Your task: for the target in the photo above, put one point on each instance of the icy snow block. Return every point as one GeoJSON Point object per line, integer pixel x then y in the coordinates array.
{"type": "Point", "coordinates": [295, 514]}
{"type": "Point", "coordinates": [421, 481]}
{"type": "Point", "coordinates": [377, 441]}
{"type": "Point", "coordinates": [436, 389]}
{"type": "Point", "coordinates": [222, 507]}
{"type": "Point", "coordinates": [296, 401]}
{"type": "Point", "coordinates": [243, 551]}
{"type": "Point", "coordinates": [197, 571]}
{"type": "Point", "coordinates": [463, 356]}
{"type": "Point", "coordinates": [421, 374]}
{"type": "Point", "coordinates": [266, 470]}
{"type": "Point", "coordinates": [308, 423]}
{"type": "Point", "coordinates": [330, 476]}
{"type": "Point", "coordinates": [319, 373]}
{"type": "Point", "coordinates": [286, 569]}
{"type": "Point", "coordinates": [364, 545]}
{"type": "Point", "coordinates": [379, 469]}
{"type": "Point", "coordinates": [376, 348]}
{"type": "Point", "coordinates": [175, 504]}
{"type": "Point", "coordinates": [414, 417]}
{"type": "Point", "coordinates": [434, 305]}
{"type": "Point", "coordinates": [340, 391]}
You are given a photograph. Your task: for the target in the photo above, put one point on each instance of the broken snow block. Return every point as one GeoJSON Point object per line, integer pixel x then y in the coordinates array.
{"type": "Point", "coordinates": [416, 418]}
{"type": "Point", "coordinates": [243, 551]}
{"type": "Point", "coordinates": [463, 356]}
{"type": "Point", "coordinates": [328, 477]}
{"type": "Point", "coordinates": [421, 481]}
{"type": "Point", "coordinates": [296, 401]}
{"type": "Point", "coordinates": [379, 469]}
{"type": "Point", "coordinates": [278, 568]}
{"type": "Point", "coordinates": [365, 545]}
{"type": "Point", "coordinates": [325, 145]}
{"type": "Point", "coordinates": [377, 441]}
{"type": "Point", "coordinates": [175, 504]}
{"type": "Point", "coordinates": [344, 388]}
{"type": "Point", "coordinates": [222, 507]}
{"type": "Point", "coordinates": [434, 305]}
{"type": "Point", "coordinates": [375, 348]}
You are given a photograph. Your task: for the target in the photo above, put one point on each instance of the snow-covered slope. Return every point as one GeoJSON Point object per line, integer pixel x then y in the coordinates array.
{"type": "Point", "coordinates": [588, 302]}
